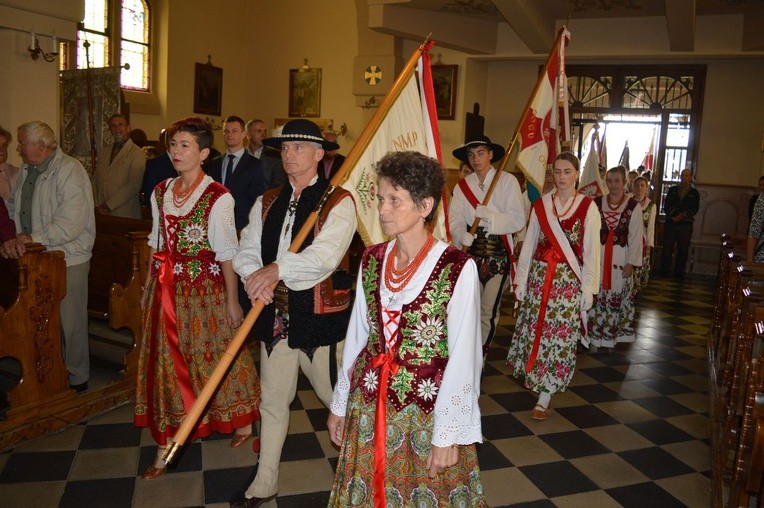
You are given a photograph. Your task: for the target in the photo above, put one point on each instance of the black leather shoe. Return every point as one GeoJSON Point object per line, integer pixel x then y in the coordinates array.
{"type": "Point", "coordinates": [82, 387]}
{"type": "Point", "coordinates": [252, 502]}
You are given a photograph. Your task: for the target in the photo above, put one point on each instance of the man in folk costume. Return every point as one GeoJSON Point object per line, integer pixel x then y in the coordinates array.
{"type": "Point", "coordinates": [306, 317]}
{"type": "Point", "coordinates": [504, 214]}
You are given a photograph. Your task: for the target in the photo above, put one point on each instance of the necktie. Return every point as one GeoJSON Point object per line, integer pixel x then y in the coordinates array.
{"type": "Point", "coordinates": [228, 168]}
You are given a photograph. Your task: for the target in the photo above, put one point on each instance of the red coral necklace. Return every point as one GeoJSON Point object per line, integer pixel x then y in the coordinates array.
{"type": "Point", "coordinates": [395, 279]}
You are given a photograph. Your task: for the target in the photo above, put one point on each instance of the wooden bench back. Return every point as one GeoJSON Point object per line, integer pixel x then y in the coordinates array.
{"type": "Point", "coordinates": [30, 325]}
{"type": "Point", "coordinates": [116, 240]}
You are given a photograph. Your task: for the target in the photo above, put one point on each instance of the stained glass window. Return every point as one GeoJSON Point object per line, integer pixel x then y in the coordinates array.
{"type": "Point", "coordinates": [117, 38]}
{"type": "Point", "coordinates": [94, 29]}
{"type": "Point", "coordinates": [135, 44]}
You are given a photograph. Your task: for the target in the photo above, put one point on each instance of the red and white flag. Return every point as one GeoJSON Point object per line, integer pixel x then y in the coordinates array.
{"type": "Point", "coordinates": [624, 160]}
{"type": "Point", "coordinates": [649, 159]}
{"type": "Point", "coordinates": [411, 123]}
{"type": "Point", "coordinates": [590, 182]}
{"type": "Point", "coordinates": [546, 123]}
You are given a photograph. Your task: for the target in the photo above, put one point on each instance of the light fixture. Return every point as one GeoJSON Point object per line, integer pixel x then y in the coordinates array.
{"type": "Point", "coordinates": [36, 52]}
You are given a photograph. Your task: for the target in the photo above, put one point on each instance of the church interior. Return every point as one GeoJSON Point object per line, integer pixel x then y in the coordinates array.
{"type": "Point", "coordinates": [649, 424]}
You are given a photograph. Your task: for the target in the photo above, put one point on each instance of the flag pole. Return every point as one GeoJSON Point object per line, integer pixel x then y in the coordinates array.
{"type": "Point", "coordinates": [513, 141]}
{"type": "Point", "coordinates": [189, 422]}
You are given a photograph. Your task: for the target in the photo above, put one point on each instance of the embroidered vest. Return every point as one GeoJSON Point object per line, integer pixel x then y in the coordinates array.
{"type": "Point", "coordinates": [187, 242]}
{"type": "Point", "coordinates": [317, 316]}
{"type": "Point", "coordinates": [421, 349]}
{"type": "Point", "coordinates": [646, 214]}
{"type": "Point", "coordinates": [573, 227]}
{"type": "Point", "coordinates": [621, 231]}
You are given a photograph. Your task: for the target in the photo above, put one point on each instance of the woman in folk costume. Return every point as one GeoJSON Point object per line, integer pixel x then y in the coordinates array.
{"type": "Point", "coordinates": [649, 211]}
{"type": "Point", "coordinates": [611, 318]}
{"type": "Point", "coordinates": [190, 304]}
{"type": "Point", "coordinates": [405, 408]}
{"type": "Point", "coordinates": [557, 277]}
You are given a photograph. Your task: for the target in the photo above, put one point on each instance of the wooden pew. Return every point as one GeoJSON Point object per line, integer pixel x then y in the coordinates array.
{"type": "Point", "coordinates": [117, 271]}
{"type": "Point", "coordinates": [32, 289]}
{"type": "Point", "coordinates": [749, 457]}
{"type": "Point", "coordinates": [118, 268]}
{"type": "Point", "coordinates": [720, 306]}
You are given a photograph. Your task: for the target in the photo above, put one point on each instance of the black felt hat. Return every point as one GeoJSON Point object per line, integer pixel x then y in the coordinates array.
{"type": "Point", "coordinates": [300, 130]}
{"type": "Point", "coordinates": [461, 152]}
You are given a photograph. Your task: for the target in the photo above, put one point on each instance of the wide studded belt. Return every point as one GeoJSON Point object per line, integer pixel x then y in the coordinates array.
{"type": "Point", "coordinates": [281, 297]}
{"type": "Point", "coordinates": [487, 245]}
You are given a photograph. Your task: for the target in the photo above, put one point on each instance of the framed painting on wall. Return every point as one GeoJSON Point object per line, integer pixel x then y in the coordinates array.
{"type": "Point", "coordinates": [444, 83]}
{"type": "Point", "coordinates": [208, 89]}
{"type": "Point", "coordinates": [304, 93]}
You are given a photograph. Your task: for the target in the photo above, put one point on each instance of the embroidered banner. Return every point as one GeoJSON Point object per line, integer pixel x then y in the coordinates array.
{"type": "Point", "coordinates": [105, 94]}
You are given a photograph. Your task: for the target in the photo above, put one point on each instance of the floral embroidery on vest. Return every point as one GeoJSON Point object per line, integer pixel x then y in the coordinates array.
{"type": "Point", "coordinates": [186, 239]}
{"type": "Point", "coordinates": [573, 227]}
{"type": "Point", "coordinates": [421, 351]}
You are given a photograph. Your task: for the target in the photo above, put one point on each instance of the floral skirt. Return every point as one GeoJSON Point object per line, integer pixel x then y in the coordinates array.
{"type": "Point", "coordinates": [560, 331]}
{"type": "Point", "coordinates": [642, 273]}
{"type": "Point", "coordinates": [409, 437]}
{"type": "Point", "coordinates": [611, 318]}
{"type": "Point", "coordinates": [166, 381]}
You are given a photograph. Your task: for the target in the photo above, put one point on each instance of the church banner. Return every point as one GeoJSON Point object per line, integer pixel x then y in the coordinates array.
{"type": "Point", "coordinates": [99, 93]}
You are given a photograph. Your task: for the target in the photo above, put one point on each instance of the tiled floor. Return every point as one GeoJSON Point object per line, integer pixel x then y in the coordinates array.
{"type": "Point", "coordinates": [632, 430]}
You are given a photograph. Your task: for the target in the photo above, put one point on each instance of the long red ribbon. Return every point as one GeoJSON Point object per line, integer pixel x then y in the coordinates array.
{"type": "Point", "coordinates": [607, 275]}
{"type": "Point", "coordinates": [552, 258]}
{"type": "Point", "coordinates": [166, 291]}
{"type": "Point", "coordinates": [388, 368]}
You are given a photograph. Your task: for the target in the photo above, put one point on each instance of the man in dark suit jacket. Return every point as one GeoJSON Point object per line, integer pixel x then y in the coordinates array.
{"type": "Point", "coordinates": [274, 170]}
{"type": "Point", "coordinates": [332, 160]}
{"type": "Point", "coordinates": [158, 170]}
{"type": "Point", "coordinates": [242, 174]}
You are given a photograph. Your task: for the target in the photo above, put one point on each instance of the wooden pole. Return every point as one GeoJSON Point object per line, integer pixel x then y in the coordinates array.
{"type": "Point", "coordinates": [512, 142]}
{"type": "Point", "coordinates": [91, 121]}
{"type": "Point", "coordinates": [189, 422]}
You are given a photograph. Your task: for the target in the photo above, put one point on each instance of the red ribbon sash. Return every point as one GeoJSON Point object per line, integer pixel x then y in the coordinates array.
{"type": "Point", "coordinates": [388, 368]}
{"type": "Point", "coordinates": [607, 269]}
{"type": "Point", "coordinates": [166, 301]}
{"type": "Point", "coordinates": [471, 199]}
{"type": "Point", "coordinates": [552, 257]}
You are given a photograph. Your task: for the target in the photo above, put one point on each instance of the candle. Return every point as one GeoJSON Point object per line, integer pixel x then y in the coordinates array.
{"type": "Point", "coordinates": [31, 40]}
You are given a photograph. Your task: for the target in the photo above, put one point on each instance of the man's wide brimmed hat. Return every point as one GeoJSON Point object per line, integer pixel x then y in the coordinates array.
{"type": "Point", "coordinates": [300, 130]}
{"type": "Point", "coordinates": [461, 152]}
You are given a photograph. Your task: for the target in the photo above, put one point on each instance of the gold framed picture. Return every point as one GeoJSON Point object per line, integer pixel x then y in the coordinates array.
{"type": "Point", "coordinates": [304, 93]}
{"type": "Point", "coordinates": [444, 84]}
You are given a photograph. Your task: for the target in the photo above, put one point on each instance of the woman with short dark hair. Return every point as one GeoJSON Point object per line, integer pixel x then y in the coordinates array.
{"type": "Point", "coordinates": [191, 305]}
{"type": "Point", "coordinates": [405, 408]}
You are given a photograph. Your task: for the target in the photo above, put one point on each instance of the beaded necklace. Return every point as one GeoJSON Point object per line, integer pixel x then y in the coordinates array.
{"type": "Point", "coordinates": [395, 279]}
{"type": "Point", "coordinates": [565, 212]}
{"type": "Point", "coordinates": [618, 205]}
{"type": "Point", "coordinates": [179, 198]}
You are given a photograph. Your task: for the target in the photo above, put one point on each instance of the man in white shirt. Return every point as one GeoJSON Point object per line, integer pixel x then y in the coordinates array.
{"type": "Point", "coordinates": [305, 319]}
{"type": "Point", "coordinates": [241, 173]}
{"type": "Point", "coordinates": [503, 215]}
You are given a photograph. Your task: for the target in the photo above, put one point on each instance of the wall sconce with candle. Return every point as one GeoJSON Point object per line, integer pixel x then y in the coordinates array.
{"type": "Point", "coordinates": [35, 50]}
